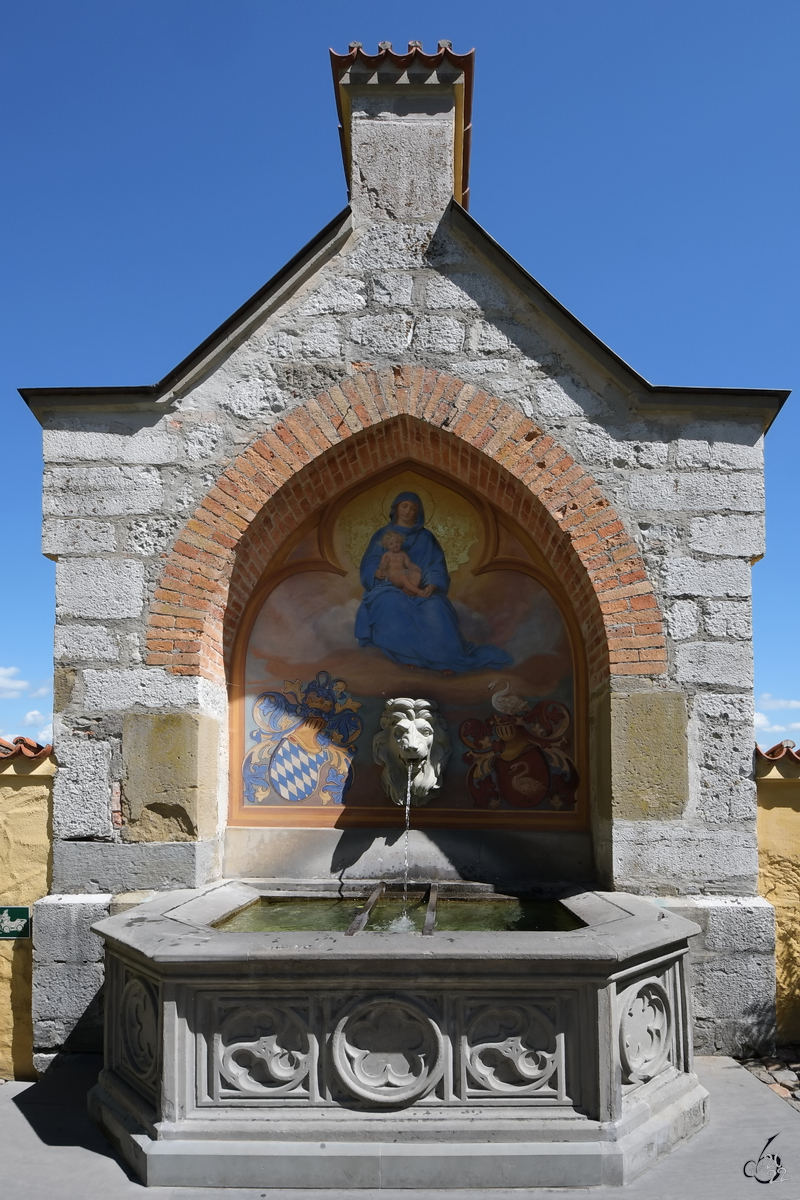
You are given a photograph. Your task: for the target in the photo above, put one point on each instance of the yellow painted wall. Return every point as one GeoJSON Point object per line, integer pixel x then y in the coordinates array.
{"type": "Point", "coordinates": [25, 867]}
{"type": "Point", "coordinates": [779, 879]}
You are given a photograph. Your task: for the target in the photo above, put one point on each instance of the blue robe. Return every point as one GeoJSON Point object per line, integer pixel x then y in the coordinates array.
{"type": "Point", "coordinates": [411, 630]}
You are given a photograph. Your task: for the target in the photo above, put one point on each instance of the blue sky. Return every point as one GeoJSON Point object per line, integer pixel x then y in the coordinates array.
{"type": "Point", "coordinates": [163, 158]}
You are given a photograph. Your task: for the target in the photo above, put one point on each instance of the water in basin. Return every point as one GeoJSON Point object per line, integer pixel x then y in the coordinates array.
{"type": "Point", "coordinates": [392, 914]}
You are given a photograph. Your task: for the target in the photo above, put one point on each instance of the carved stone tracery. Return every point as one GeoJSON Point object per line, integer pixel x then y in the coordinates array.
{"type": "Point", "coordinates": [139, 1028]}
{"type": "Point", "coordinates": [645, 1031]}
{"type": "Point", "coordinates": [512, 1050]}
{"type": "Point", "coordinates": [387, 1051]}
{"type": "Point", "coordinates": [263, 1051]}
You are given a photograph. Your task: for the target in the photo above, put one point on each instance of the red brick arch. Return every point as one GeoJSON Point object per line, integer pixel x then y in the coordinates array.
{"type": "Point", "coordinates": [371, 420]}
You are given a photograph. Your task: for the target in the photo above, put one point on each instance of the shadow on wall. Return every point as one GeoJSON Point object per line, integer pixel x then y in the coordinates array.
{"type": "Point", "coordinates": [510, 858]}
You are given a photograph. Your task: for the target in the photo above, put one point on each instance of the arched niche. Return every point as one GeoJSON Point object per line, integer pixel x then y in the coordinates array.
{"type": "Point", "coordinates": [306, 697]}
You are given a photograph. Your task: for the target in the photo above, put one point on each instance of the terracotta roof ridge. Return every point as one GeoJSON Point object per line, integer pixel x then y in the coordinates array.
{"type": "Point", "coordinates": [783, 749]}
{"type": "Point", "coordinates": [386, 52]}
{"type": "Point", "coordinates": [25, 747]}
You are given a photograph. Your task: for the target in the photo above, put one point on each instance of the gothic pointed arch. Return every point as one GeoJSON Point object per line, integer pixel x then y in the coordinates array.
{"type": "Point", "coordinates": [371, 420]}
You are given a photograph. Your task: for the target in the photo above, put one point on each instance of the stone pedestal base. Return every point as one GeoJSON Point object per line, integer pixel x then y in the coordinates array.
{"type": "Point", "coordinates": [555, 1153]}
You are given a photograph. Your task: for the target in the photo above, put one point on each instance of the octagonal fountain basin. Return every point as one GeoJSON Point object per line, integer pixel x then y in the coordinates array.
{"type": "Point", "coordinates": [502, 1042]}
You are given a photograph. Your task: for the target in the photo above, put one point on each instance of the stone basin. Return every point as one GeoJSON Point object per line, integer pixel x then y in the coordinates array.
{"type": "Point", "coordinates": [392, 914]}
{"type": "Point", "coordinates": [463, 1059]}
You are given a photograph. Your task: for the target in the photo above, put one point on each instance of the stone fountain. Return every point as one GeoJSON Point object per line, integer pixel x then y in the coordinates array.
{"type": "Point", "coordinates": [560, 1057]}
{"type": "Point", "coordinates": [402, 467]}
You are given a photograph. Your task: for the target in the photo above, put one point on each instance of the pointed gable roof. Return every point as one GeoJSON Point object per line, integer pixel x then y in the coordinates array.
{"type": "Point", "coordinates": [645, 397]}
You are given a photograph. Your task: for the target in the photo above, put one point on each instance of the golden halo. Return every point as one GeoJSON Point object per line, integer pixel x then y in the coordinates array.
{"type": "Point", "coordinates": [425, 496]}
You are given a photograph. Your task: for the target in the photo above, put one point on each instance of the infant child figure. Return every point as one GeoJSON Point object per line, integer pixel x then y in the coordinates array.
{"type": "Point", "coordinates": [398, 568]}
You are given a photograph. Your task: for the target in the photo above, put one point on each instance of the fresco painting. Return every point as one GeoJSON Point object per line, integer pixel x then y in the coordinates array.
{"type": "Point", "coordinates": [419, 611]}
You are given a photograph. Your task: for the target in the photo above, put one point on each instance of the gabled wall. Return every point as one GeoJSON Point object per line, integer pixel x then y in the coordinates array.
{"type": "Point", "coordinates": [403, 310]}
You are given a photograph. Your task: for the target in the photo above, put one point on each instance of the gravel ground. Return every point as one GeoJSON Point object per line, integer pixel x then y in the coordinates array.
{"type": "Point", "coordinates": [779, 1071]}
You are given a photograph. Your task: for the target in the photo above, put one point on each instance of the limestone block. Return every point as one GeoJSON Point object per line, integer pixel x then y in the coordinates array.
{"type": "Point", "coordinates": [391, 246]}
{"type": "Point", "coordinates": [201, 441]}
{"type": "Point", "coordinates": [276, 344]}
{"type": "Point", "coordinates": [85, 643]}
{"type": "Point", "coordinates": [82, 788]}
{"type": "Point", "coordinates": [734, 455]}
{"type": "Point", "coordinates": [510, 859]}
{"type": "Point", "coordinates": [488, 338]}
{"type": "Point", "coordinates": [728, 534]}
{"type": "Point", "coordinates": [67, 1005]}
{"type": "Point", "coordinates": [139, 446]}
{"type": "Point", "coordinates": [464, 290]}
{"type": "Point", "coordinates": [170, 776]}
{"type": "Point", "coordinates": [62, 928]}
{"type": "Point", "coordinates": [150, 687]}
{"type": "Point", "coordinates": [251, 398]}
{"type": "Point", "coordinates": [735, 987]}
{"type": "Point", "coordinates": [737, 937]}
{"type": "Point", "coordinates": [151, 535]}
{"type": "Point", "coordinates": [597, 447]}
{"type": "Point", "coordinates": [709, 491]}
{"type": "Point", "coordinates": [727, 619]}
{"type": "Point", "coordinates": [442, 334]}
{"type": "Point", "coordinates": [735, 924]}
{"type": "Point", "coordinates": [339, 295]}
{"type": "Point", "coordinates": [128, 867]}
{"type": "Point", "coordinates": [100, 491]}
{"type": "Point", "coordinates": [496, 369]}
{"type": "Point", "coordinates": [689, 577]}
{"type": "Point", "coordinates": [715, 663]}
{"type": "Point", "coordinates": [390, 333]}
{"type": "Point", "coordinates": [723, 798]}
{"type": "Point", "coordinates": [726, 749]}
{"type": "Point", "coordinates": [682, 619]}
{"type": "Point", "coordinates": [561, 398]}
{"type": "Point", "coordinates": [404, 162]}
{"type": "Point", "coordinates": [594, 446]}
{"type": "Point", "coordinates": [322, 340]}
{"type": "Point", "coordinates": [77, 537]}
{"type": "Point", "coordinates": [99, 587]}
{"type": "Point", "coordinates": [729, 924]}
{"type": "Point", "coordinates": [673, 858]}
{"type": "Point", "coordinates": [723, 707]}
{"type": "Point", "coordinates": [443, 291]}
{"type": "Point", "coordinates": [393, 290]}
{"type": "Point", "coordinates": [650, 454]}
{"type": "Point", "coordinates": [649, 759]}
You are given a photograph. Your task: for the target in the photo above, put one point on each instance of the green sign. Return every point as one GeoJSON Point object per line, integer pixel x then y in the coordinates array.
{"type": "Point", "coordinates": [15, 922]}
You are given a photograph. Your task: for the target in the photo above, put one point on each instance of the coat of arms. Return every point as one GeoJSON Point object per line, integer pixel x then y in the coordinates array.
{"type": "Point", "coordinates": [305, 743]}
{"type": "Point", "coordinates": [519, 755]}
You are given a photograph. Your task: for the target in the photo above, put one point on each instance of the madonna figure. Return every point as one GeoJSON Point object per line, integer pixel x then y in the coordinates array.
{"type": "Point", "coordinates": [414, 625]}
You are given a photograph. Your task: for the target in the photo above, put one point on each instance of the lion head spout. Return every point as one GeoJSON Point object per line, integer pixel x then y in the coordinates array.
{"type": "Point", "coordinates": [412, 735]}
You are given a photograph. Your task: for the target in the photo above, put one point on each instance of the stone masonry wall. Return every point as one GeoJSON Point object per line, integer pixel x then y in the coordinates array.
{"type": "Point", "coordinates": [118, 488]}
